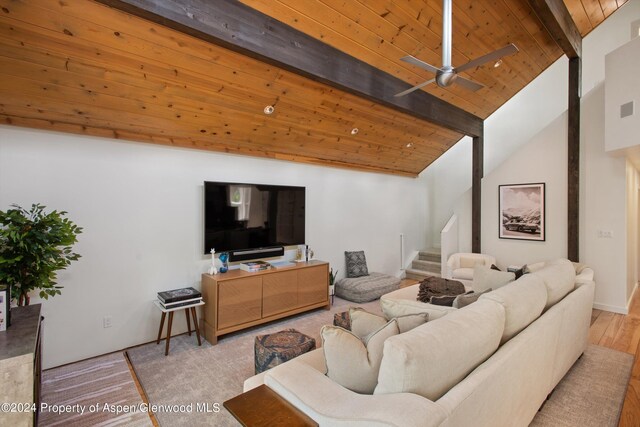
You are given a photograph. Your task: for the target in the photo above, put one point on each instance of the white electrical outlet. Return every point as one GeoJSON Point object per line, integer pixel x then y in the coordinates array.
{"type": "Point", "coordinates": [106, 321]}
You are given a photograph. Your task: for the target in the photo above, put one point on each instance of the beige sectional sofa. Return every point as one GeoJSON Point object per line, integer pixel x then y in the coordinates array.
{"type": "Point", "coordinates": [491, 363]}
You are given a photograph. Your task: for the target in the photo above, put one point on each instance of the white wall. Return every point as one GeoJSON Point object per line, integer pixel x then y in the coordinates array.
{"type": "Point", "coordinates": [622, 68]}
{"type": "Point", "coordinates": [142, 211]}
{"type": "Point", "coordinates": [507, 129]}
{"type": "Point", "coordinates": [540, 160]}
{"type": "Point", "coordinates": [525, 141]}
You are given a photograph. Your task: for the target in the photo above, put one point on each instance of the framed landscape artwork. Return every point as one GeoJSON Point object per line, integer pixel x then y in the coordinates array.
{"type": "Point", "coordinates": [521, 210]}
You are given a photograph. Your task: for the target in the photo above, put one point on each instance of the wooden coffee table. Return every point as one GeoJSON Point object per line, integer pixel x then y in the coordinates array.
{"type": "Point", "coordinates": [262, 406]}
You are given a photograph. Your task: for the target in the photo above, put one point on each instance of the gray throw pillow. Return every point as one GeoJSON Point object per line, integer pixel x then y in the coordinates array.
{"type": "Point", "coordinates": [468, 298]}
{"type": "Point", "coordinates": [356, 264]}
{"type": "Point", "coordinates": [446, 300]}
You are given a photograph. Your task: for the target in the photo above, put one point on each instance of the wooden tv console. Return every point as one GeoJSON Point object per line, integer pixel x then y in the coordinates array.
{"type": "Point", "coordinates": [237, 299]}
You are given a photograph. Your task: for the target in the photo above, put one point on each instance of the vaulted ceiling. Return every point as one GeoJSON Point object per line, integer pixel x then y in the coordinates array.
{"type": "Point", "coordinates": [82, 67]}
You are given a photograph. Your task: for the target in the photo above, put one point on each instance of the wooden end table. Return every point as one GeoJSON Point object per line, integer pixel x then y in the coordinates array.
{"type": "Point", "coordinates": [263, 407]}
{"type": "Point", "coordinates": [187, 309]}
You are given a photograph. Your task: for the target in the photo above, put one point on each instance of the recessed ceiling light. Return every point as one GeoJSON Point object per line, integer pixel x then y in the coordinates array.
{"type": "Point", "coordinates": [354, 131]}
{"type": "Point", "coordinates": [409, 145]}
{"type": "Point", "coordinates": [498, 63]}
{"type": "Point", "coordinates": [269, 109]}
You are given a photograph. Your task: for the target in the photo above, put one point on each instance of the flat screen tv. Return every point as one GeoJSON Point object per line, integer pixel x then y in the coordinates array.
{"type": "Point", "coordinates": [241, 216]}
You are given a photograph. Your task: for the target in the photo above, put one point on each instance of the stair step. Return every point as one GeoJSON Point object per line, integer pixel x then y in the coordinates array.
{"type": "Point", "coordinates": [419, 274]}
{"type": "Point", "coordinates": [430, 266]}
{"type": "Point", "coordinates": [433, 255]}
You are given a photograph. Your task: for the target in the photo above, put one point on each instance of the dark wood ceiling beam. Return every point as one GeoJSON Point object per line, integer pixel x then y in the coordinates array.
{"type": "Point", "coordinates": [237, 27]}
{"type": "Point", "coordinates": [556, 18]}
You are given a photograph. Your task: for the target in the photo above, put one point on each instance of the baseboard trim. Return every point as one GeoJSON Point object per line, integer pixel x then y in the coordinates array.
{"type": "Point", "coordinates": [611, 308]}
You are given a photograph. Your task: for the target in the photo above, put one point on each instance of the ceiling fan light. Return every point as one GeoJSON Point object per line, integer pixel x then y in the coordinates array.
{"type": "Point", "coordinates": [498, 63]}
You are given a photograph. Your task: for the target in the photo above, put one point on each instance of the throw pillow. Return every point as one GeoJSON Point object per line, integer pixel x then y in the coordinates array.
{"type": "Point", "coordinates": [410, 321]}
{"type": "Point", "coordinates": [443, 300]}
{"type": "Point", "coordinates": [356, 264]}
{"type": "Point", "coordinates": [495, 267]}
{"type": "Point", "coordinates": [364, 323]}
{"type": "Point", "coordinates": [351, 362]}
{"type": "Point", "coordinates": [468, 298]}
{"type": "Point", "coordinates": [485, 278]}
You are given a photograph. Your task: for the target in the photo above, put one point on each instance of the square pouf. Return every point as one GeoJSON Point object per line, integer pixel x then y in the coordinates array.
{"type": "Point", "coordinates": [274, 349]}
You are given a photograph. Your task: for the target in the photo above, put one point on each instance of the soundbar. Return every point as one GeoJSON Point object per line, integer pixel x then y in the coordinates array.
{"type": "Point", "coordinates": [256, 253]}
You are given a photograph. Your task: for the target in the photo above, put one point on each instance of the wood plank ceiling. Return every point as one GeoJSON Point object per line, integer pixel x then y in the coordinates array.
{"type": "Point", "coordinates": [81, 67]}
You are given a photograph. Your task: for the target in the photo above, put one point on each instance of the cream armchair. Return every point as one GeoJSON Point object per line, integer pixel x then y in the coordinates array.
{"type": "Point", "coordinates": [460, 266]}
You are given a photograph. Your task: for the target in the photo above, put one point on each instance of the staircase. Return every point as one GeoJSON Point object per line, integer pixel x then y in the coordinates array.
{"type": "Point", "coordinates": [427, 263]}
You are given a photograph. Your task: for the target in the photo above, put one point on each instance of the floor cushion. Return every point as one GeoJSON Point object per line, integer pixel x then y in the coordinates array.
{"type": "Point", "coordinates": [366, 288]}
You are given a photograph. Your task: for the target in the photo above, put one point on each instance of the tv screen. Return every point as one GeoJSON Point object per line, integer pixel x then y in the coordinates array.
{"type": "Point", "coordinates": [249, 216]}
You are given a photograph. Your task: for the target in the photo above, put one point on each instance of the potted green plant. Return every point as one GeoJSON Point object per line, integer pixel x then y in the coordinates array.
{"type": "Point", "coordinates": [34, 245]}
{"type": "Point", "coordinates": [332, 281]}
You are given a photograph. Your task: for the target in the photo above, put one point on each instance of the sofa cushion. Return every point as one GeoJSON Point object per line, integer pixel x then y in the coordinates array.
{"type": "Point", "coordinates": [559, 277]}
{"type": "Point", "coordinates": [523, 302]}
{"type": "Point", "coordinates": [403, 301]}
{"type": "Point", "coordinates": [364, 323]}
{"type": "Point", "coordinates": [485, 278]}
{"type": "Point", "coordinates": [356, 264]}
{"type": "Point", "coordinates": [432, 358]}
{"type": "Point", "coordinates": [352, 362]}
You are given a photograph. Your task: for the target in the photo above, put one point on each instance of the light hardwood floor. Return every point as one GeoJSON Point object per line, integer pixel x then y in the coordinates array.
{"type": "Point", "coordinates": [622, 333]}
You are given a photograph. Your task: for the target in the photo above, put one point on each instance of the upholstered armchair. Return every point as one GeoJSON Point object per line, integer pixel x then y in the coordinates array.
{"type": "Point", "coordinates": [460, 266]}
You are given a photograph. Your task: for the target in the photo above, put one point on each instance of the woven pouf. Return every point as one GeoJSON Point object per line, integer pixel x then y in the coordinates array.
{"type": "Point", "coordinates": [274, 349]}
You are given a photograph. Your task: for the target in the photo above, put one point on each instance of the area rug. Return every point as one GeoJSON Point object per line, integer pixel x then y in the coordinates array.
{"type": "Point", "coordinates": [193, 381]}
{"type": "Point", "coordinates": [591, 394]}
{"type": "Point", "coordinates": [76, 394]}
{"type": "Point", "coordinates": [202, 378]}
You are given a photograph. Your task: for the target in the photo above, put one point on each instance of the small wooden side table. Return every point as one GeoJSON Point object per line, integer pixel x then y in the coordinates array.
{"type": "Point", "coordinates": [187, 309]}
{"type": "Point", "coordinates": [263, 407]}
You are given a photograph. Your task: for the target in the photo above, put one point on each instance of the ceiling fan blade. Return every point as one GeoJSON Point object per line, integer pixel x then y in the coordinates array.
{"type": "Point", "coordinates": [423, 84]}
{"type": "Point", "coordinates": [489, 57]}
{"type": "Point", "coordinates": [415, 61]}
{"type": "Point", "coordinates": [468, 84]}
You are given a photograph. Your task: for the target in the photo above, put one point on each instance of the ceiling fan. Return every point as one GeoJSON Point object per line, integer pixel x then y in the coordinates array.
{"type": "Point", "coordinates": [448, 74]}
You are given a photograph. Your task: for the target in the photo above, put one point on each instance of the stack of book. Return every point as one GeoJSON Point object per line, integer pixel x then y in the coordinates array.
{"type": "Point", "coordinates": [182, 297]}
{"type": "Point", "coordinates": [255, 266]}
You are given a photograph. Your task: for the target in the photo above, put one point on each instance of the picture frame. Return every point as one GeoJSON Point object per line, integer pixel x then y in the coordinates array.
{"type": "Point", "coordinates": [521, 211]}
